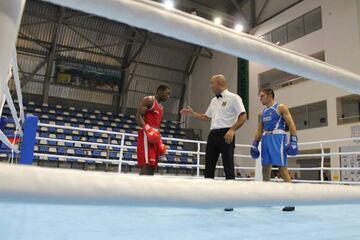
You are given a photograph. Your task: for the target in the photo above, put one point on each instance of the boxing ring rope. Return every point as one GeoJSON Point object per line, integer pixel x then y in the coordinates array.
{"type": "Point", "coordinates": [40, 185]}
{"type": "Point", "coordinates": [193, 29]}
{"type": "Point", "coordinates": [31, 184]}
{"type": "Point", "coordinates": [199, 153]}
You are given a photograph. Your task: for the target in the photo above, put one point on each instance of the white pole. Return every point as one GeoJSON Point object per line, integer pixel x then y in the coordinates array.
{"type": "Point", "coordinates": [121, 151]}
{"type": "Point", "coordinates": [258, 167]}
{"type": "Point", "coordinates": [10, 17]}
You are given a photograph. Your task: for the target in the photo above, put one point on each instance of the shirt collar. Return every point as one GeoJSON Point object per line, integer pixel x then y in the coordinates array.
{"type": "Point", "coordinates": [224, 93]}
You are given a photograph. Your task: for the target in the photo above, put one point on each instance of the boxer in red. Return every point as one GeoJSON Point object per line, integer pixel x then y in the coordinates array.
{"type": "Point", "coordinates": [149, 145]}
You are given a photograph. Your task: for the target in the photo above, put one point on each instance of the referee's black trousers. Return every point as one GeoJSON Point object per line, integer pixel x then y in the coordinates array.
{"type": "Point", "coordinates": [215, 145]}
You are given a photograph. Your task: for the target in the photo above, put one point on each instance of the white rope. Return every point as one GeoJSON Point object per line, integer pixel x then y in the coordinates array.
{"type": "Point", "coordinates": [33, 184]}
{"type": "Point", "coordinates": [193, 29]}
{"type": "Point", "coordinates": [10, 102]}
{"type": "Point", "coordinates": [13, 143]}
{"type": "Point", "coordinates": [18, 86]}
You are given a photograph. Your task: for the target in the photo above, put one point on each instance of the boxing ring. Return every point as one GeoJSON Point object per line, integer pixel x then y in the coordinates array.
{"type": "Point", "coordinates": [41, 203]}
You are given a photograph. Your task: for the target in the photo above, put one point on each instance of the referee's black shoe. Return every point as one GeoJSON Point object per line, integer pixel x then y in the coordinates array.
{"type": "Point", "coordinates": [228, 209]}
{"type": "Point", "coordinates": [288, 209]}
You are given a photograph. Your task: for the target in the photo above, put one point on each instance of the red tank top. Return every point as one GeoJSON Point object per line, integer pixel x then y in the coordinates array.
{"type": "Point", "coordinates": [154, 115]}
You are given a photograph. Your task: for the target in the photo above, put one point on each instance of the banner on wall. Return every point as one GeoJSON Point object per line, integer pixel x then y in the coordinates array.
{"type": "Point", "coordinates": [350, 161]}
{"type": "Point", "coordinates": [87, 76]}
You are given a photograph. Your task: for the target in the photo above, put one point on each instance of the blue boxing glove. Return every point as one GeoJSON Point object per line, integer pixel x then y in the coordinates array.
{"type": "Point", "coordinates": [292, 147]}
{"type": "Point", "coordinates": [254, 151]}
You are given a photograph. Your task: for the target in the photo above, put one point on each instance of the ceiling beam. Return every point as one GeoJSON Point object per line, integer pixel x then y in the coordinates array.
{"type": "Point", "coordinates": [116, 58]}
{"type": "Point", "coordinates": [139, 38]}
{"type": "Point", "coordinates": [283, 10]}
{"type": "Point", "coordinates": [261, 12]}
{"type": "Point", "coordinates": [252, 13]}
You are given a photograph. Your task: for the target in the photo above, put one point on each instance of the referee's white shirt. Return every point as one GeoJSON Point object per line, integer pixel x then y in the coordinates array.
{"type": "Point", "coordinates": [224, 111]}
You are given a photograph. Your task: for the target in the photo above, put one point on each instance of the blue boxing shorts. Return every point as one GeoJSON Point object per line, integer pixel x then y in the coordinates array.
{"type": "Point", "coordinates": [272, 149]}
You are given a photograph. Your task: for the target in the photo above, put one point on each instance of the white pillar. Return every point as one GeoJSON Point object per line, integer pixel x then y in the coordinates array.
{"type": "Point", "coordinates": [10, 18]}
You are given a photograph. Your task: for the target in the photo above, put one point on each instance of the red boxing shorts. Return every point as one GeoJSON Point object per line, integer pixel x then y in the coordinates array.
{"type": "Point", "coordinates": [147, 153]}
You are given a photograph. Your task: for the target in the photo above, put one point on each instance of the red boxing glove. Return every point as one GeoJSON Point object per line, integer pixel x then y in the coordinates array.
{"type": "Point", "coordinates": [152, 135]}
{"type": "Point", "coordinates": [162, 147]}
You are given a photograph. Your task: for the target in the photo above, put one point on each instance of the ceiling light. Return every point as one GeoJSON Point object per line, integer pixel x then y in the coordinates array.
{"type": "Point", "coordinates": [217, 21]}
{"type": "Point", "coordinates": [239, 27]}
{"type": "Point", "coordinates": [169, 4]}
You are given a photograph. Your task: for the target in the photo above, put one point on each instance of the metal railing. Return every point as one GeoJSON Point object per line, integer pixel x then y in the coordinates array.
{"type": "Point", "coordinates": [198, 153]}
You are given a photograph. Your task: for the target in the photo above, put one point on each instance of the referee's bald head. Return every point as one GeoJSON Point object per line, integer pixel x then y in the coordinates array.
{"type": "Point", "coordinates": [220, 79]}
{"type": "Point", "coordinates": [218, 83]}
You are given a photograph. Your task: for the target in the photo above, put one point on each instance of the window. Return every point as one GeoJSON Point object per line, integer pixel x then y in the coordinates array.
{"type": "Point", "coordinates": [279, 36]}
{"type": "Point", "coordinates": [276, 79]}
{"type": "Point", "coordinates": [266, 37]}
{"type": "Point", "coordinates": [348, 109]}
{"type": "Point", "coordinates": [299, 115]}
{"type": "Point", "coordinates": [296, 28]}
{"type": "Point", "coordinates": [317, 115]}
{"type": "Point", "coordinates": [312, 21]}
{"type": "Point", "coordinates": [310, 116]}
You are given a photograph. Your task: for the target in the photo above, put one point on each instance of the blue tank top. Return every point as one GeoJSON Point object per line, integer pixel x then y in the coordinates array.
{"type": "Point", "coordinates": [271, 119]}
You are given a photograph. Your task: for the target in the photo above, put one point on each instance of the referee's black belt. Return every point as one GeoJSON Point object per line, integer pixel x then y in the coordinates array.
{"type": "Point", "coordinates": [220, 130]}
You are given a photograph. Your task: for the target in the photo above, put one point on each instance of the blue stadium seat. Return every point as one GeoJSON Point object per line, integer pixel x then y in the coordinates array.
{"type": "Point", "coordinates": [60, 122]}
{"type": "Point", "coordinates": [86, 145]}
{"type": "Point", "coordinates": [60, 136]}
{"type": "Point", "coordinates": [101, 147]}
{"type": "Point", "coordinates": [127, 155]}
{"type": "Point", "coordinates": [170, 159]}
{"type": "Point", "coordinates": [96, 153]}
{"type": "Point", "coordinates": [113, 155]}
{"type": "Point", "coordinates": [69, 144]}
{"type": "Point", "coordinates": [76, 138]}
{"type": "Point", "coordinates": [80, 152]}
{"type": "Point", "coordinates": [52, 130]}
{"type": "Point", "coordinates": [116, 148]}
{"type": "Point", "coordinates": [43, 149]}
{"type": "Point", "coordinates": [53, 159]}
{"type": "Point", "coordinates": [184, 160]}
{"type": "Point", "coordinates": [131, 150]}
{"type": "Point", "coordinates": [71, 159]}
{"type": "Point", "coordinates": [44, 134]}
{"type": "Point", "coordinates": [52, 143]}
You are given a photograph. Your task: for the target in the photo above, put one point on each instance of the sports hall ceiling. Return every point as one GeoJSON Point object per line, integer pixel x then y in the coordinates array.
{"type": "Point", "coordinates": [49, 33]}
{"type": "Point", "coordinates": [249, 13]}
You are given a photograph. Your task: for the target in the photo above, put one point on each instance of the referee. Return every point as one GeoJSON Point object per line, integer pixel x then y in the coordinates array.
{"type": "Point", "coordinates": [226, 113]}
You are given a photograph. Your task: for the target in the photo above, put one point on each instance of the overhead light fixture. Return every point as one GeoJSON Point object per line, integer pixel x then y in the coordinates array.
{"type": "Point", "coordinates": [217, 21]}
{"type": "Point", "coordinates": [194, 12]}
{"type": "Point", "coordinates": [277, 43]}
{"type": "Point", "coordinates": [239, 27]}
{"type": "Point", "coordinates": [169, 4]}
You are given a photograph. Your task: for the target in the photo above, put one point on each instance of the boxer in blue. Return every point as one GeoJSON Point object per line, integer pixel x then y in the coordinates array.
{"type": "Point", "coordinates": [271, 132]}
